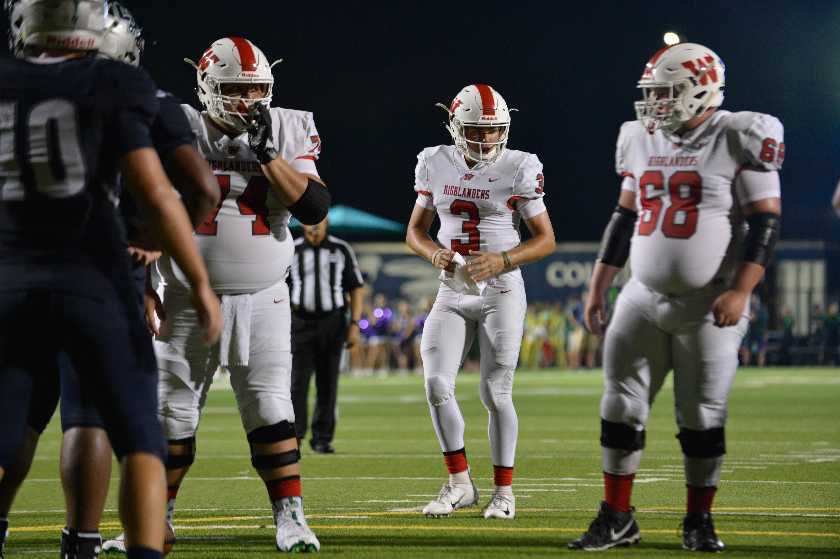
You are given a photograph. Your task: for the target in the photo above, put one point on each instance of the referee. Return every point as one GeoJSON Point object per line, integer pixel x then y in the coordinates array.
{"type": "Point", "coordinates": [324, 271]}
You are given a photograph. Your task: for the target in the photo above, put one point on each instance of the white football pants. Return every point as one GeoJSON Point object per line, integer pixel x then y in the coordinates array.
{"type": "Point", "coordinates": [650, 334]}
{"type": "Point", "coordinates": [186, 364]}
{"type": "Point", "coordinates": [497, 317]}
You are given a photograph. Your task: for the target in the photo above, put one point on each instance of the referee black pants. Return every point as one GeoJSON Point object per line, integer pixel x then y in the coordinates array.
{"type": "Point", "coordinates": [316, 347]}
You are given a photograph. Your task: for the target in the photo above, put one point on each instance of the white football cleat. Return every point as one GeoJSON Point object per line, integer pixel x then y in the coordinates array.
{"type": "Point", "coordinates": [293, 533]}
{"type": "Point", "coordinates": [451, 498]}
{"type": "Point", "coordinates": [501, 505]}
{"type": "Point", "coordinates": [115, 545]}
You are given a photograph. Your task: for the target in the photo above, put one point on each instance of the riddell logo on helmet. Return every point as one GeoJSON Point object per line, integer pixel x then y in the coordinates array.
{"type": "Point", "coordinates": [706, 69]}
{"type": "Point", "coordinates": [71, 42]}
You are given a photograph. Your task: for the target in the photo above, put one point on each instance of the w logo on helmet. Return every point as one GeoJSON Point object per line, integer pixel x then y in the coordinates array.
{"type": "Point", "coordinates": [206, 59]}
{"type": "Point", "coordinates": [704, 69]}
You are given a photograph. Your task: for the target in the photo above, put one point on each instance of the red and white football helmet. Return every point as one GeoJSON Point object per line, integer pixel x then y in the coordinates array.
{"type": "Point", "coordinates": [231, 60]}
{"type": "Point", "coordinates": [679, 83]}
{"type": "Point", "coordinates": [480, 106]}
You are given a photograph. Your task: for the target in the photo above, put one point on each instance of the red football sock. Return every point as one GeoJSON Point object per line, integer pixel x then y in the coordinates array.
{"type": "Point", "coordinates": [456, 461]}
{"type": "Point", "coordinates": [699, 498]}
{"type": "Point", "coordinates": [617, 491]}
{"type": "Point", "coordinates": [503, 475]}
{"type": "Point", "coordinates": [283, 487]}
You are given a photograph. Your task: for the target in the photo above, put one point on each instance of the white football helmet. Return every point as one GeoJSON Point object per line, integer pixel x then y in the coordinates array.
{"type": "Point", "coordinates": [231, 60]}
{"type": "Point", "coordinates": [679, 83]}
{"type": "Point", "coordinates": [478, 105]}
{"type": "Point", "coordinates": [123, 39]}
{"type": "Point", "coordinates": [73, 25]}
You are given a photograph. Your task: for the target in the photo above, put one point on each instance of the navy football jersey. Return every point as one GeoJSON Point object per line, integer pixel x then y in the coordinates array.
{"type": "Point", "coordinates": [170, 130]}
{"type": "Point", "coordinates": [64, 125]}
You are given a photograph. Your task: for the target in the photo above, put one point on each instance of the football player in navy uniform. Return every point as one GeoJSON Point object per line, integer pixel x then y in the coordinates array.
{"type": "Point", "coordinates": [85, 451]}
{"type": "Point", "coordinates": [69, 122]}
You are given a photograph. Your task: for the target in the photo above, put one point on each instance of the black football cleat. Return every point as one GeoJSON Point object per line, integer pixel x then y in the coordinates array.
{"type": "Point", "coordinates": [699, 533]}
{"type": "Point", "coordinates": [74, 546]}
{"type": "Point", "coordinates": [610, 528]}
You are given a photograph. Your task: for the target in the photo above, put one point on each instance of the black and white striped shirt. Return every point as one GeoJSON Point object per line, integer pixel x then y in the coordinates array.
{"type": "Point", "coordinates": [320, 275]}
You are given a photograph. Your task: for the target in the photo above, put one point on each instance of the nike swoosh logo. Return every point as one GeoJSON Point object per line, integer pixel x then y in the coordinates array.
{"type": "Point", "coordinates": [493, 180]}
{"type": "Point", "coordinates": [458, 501]}
{"type": "Point", "coordinates": [278, 300]}
{"type": "Point", "coordinates": [506, 291]}
{"type": "Point", "coordinates": [615, 536]}
{"type": "Point", "coordinates": [507, 512]}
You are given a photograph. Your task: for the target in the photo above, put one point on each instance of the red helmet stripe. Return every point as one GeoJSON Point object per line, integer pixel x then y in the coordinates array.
{"type": "Point", "coordinates": [488, 103]}
{"type": "Point", "coordinates": [246, 54]}
{"type": "Point", "coordinates": [654, 59]}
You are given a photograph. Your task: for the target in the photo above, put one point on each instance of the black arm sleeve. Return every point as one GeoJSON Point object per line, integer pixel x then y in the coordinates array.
{"type": "Point", "coordinates": [313, 206]}
{"type": "Point", "coordinates": [761, 238]}
{"type": "Point", "coordinates": [615, 244]}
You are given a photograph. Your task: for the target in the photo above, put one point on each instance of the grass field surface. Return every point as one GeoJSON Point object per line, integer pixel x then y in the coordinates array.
{"type": "Point", "coordinates": [780, 494]}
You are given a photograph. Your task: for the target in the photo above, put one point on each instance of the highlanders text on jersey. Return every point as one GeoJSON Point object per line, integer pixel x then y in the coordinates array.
{"type": "Point", "coordinates": [689, 228]}
{"type": "Point", "coordinates": [479, 209]}
{"type": "Point", "coordinates": [246, 242]}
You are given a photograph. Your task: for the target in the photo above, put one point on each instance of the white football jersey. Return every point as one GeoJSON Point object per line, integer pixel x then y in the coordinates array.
{"type": "Point", "coordinates": [246, 243]}
{"type": "Point", "coordinates": [479, 209]}
{"type": "Point", "coordinates": [689, 228]}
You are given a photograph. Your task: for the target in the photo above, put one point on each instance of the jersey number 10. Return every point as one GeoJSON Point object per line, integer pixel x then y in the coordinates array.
{"type": "Point", "coordinates": [41, 152]}
{"type": "Point", "coordinates": [685, 192]}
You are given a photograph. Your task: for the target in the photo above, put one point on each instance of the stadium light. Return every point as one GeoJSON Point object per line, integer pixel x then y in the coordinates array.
{"type": "Point", "coordinates": [671, 38]}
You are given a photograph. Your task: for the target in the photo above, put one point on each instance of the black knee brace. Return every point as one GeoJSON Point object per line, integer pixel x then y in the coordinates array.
{"type": "Point", "coordinates": [178, 461]}
{"type": "Point", "coordinates": [710, 443]}
{"type": "Point", "coordinates": [276, 433]}
{"type": "Point", "coordinates": [272, 433]}
{"type": "Point", "coordinates": [621, 436]}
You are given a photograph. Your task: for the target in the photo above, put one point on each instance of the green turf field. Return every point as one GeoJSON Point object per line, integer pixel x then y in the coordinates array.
{"type": "Point", "coordinates": [780, 496]}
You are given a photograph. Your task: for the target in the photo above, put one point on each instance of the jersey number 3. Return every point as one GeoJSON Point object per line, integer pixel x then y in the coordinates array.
{"type": "Point", "coordinates": [469, 227]}
{"type": "Point", "coordinates": [250, 202]}
{"type": "Point", "coordinates": [685, 192]}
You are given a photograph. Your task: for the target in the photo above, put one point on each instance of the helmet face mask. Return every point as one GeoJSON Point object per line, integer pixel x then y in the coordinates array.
{"type": "Point", "coordinates": [123, 38]}
{"type": "Point", "coordinates": [232, 61]}
{"type": "Point", "coordinates": [55, 25]}
{"type": "Point", "coordinates": [679, 83]}
{"type": "Point", "coordinates": [479, 143]}
{"type": "Point", "coordinates": [479, 123]}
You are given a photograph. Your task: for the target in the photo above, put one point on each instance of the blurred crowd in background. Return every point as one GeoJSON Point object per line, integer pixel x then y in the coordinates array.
{"type": "Point", "coordinates": [555, 337]}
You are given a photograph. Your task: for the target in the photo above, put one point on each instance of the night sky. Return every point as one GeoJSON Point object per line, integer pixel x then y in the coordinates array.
{"type": "Point", "coordinates": [372, 72]}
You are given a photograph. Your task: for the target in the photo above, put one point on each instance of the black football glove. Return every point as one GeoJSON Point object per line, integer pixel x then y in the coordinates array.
{"type": "Point", "coordinates": [259, 133]}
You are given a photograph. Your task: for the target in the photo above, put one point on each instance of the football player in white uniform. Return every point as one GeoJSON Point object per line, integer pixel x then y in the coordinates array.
{"type": "Point", "coordinates": [480, 191]}
{"type": "Point", "coordinates": [693, 176]}
{"type": "Point", "coordinates": [264, 161]}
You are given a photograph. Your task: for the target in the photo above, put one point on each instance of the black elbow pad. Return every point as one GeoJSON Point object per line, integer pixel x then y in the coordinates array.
{"type": "Point", "coordinates": [615, 244]}
{"type": "Point", "coordinates": [313, 205]}
{"type": "Point", "coordinates": [761, 238]}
